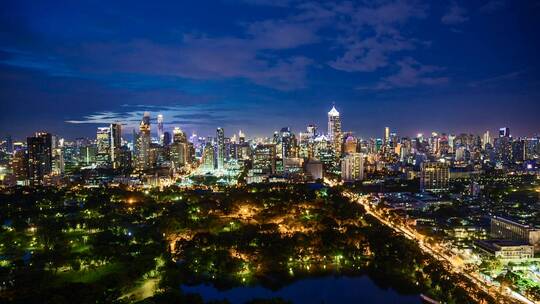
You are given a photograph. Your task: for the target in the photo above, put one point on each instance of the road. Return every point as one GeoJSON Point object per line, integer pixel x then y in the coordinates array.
{"type": "Point", "coordinates": [455, 265]}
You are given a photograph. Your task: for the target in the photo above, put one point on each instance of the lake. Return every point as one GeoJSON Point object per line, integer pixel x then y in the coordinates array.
{"type": "Point", "coordinates": [329, 289]}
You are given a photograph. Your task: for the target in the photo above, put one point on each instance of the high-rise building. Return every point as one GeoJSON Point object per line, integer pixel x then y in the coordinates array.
{"type": "Point", "coordinates": [518, 151]}
{"type": "Point", "coordinates": [434, 176]}
{"type": "Point", "coordinates": [486, 140]}
{"type": "Point", "coordinates": [387, 136]}
{"type": "Point", "coordinates": [208, 163]}
{"type": "Point", "coordinates": [503, 149]}
{"type": "Point", "coordinates": [241, 137]}
{"type": "Point", "coordinates": [264, 159]}
{"type": "Point", "coordinates": [179, 148]}
{"type": "Point", "coordinates": [160, 128]}
{"type": "Point", "coordinates": [166, 138]}
{"type": "Point", "coordinates": [19, 165]}
{"type": "Point", "coordinates": [350, 144]}
{"type": "Point", "coordinates": [334, 130]}
{"type": "Point", "coordinates": [352, 167]}
{"type": "Point", "coordinates": [143, 143]}
{"type": "Point", "coordinates": [220, 161]}
{"type": "Point", "coordinates": [9, 144]}
{"type": "Point", "coordinates": [103, 144]}
{"type": "Point", "coordinates": [314, 169]}
{"type": "Point", "coordinates": [39, 157]}
{"type": "Point", "coordinates": [504, 132]}
{"type": "Point", "coordinates": [115, 144]}
{"type": "Point", "coordinates": [312, 131]}
{"type": "Point", "coordinates": [286, 141]}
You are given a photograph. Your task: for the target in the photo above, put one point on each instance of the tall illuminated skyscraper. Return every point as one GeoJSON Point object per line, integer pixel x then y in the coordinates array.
{"type": "Point", "coordinates": [220, 134]}
{"type": "Point", "coordinates": [386, 136]}
{"type": "Point", "coordinates": [207, 162]}
{"type": "Point", "coordinates": [103, 145]}
{"type": "Point", "coordinates": [39, 157]}
{"type": "Point", "coordinates": [160, 128]}
{"type": "Point", "coordinates": [486, 140]}
{"type": "Point", "coordinates": [115, 144]}
{"type": "Point", "coordinates": [334, 130]}
{"type": "Point", "coordinates": [286, 142]}
{"type": "Point", "coordinates": [179, 148]}
{"type": "Point", "coordinates": [143, 143]}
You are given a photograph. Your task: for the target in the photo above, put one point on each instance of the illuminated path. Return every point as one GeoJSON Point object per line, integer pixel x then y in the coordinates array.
{"type": "Point", "coordinates": [440, 255]}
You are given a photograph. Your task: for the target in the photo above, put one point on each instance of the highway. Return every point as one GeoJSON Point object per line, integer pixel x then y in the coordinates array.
{"type": "Point", "coordinates": [453, 262]}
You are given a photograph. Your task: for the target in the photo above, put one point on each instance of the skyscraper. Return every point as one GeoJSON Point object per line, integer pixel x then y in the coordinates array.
{"type": "Point", "coordinates": [208, 158]}
{"type": "Point", "coordinates": [350, 145]}
{"type": "Point", "coordinates": [264, 159]}
{"type": "Point", "coordinates": [504, 132]}
{"type": "Point", "coordinates": [486, 140]}
{"type": "Point", "coordinates": [19, 165]}
{"type": "Point", "coordinates": [334, 130]}
{"type": "Point", "coordinates": [179, 148]}
{"type": "Point", "coordinates": [312, 131]}
{"type": "Point", "coordinates": [220, 135]}
{"type": "Point", "coordinates": [103, 144]}
{"type": "Point", "coordinates": [115, 144]}
{"type": "Point", "coordinates": [160, 128]}
{"type": "Point", "coordinates": [166, 138]}
{"type": "Point", "coordinates": [143, 143]}
{"type": "Point", "coordinates": [286, 142]}
{"type": "Point", "coordinates": [39, 157]}
{"type": "Point", "coordinates": [386, 136]}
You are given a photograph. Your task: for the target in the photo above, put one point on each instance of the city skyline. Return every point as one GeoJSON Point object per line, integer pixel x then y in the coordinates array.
{"type": "Point", "coordinates": [157, 130]}
{"type": "Point", "coordinates": [415, 66]}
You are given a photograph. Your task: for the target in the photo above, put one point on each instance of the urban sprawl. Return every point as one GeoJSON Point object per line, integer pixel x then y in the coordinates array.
{"type": "Point", "coordinates": [469, 202]}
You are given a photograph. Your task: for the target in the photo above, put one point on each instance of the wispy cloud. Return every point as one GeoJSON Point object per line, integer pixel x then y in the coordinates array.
{"type": "Point", "coordinates": [185, 116]}
{"type": "Point", "coordinates": [492, 6]}
{"type": "Point", "coordinates": [366, 52]}
{"type": "Point", "coordinates": [455, 15]}
{"type": "Point", "coordinates": [411, 73]}
{"type": "Point", "coordinates": [495, 79]}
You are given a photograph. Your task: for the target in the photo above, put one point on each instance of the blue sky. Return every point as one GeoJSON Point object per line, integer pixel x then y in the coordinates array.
{"type": "Point", "coordinates": [259, 65]}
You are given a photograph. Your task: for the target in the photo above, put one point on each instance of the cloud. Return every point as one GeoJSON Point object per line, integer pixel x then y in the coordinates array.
{"type": "Point", "coordinates": [411, 73]}
{"type": "Point", "coordinates": [496, 79]}
{"type": "Point", "coordinates": [279, 3]}
{"type": "Point", "coordinates": [186, 116]}
{"type": "Point", "coordinates": [254, 56]}
{"type": "Point", "coordinates": [492, 6]}
{"type": "Point", "coordinates": [373, 34]}
{"type": "Point", "coordinates": [455, 15]}
{"type": "Point", "coordinates": [370, 54]}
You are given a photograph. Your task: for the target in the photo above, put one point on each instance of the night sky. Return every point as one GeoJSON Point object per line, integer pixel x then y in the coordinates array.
{"type": "Point", "coordinates": [259, 65]}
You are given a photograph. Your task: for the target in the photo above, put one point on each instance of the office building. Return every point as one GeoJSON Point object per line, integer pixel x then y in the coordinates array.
{"type": "Point", "coordinates": [143, 144]}
{"type": "Point", "coordinates": [434, 176]}
{"type": "Point", "coordinates": [506, 250]}
{"type": "Point", "coordinates": [115, 145]}
{"type": "Point", "coordinates": [264, 159]}
{"type": "Point", "coordinates": [39, 157]}
{"type": "Point", "coordinates": [504, 132]}
{"type": "Point", "coordinates": [160, 132]}
{"type": "Point", "coordinates": [220, 155]}
{"type": "Point", "coordinates": [334, 131]}
{"type": "Point", "coordinates": [103, 145]}
{"type": "Point", "coordinates": [502, 228]}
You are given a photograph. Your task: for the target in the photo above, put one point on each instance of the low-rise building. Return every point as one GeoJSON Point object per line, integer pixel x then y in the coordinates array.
{"type": "Point", "coordinates": [506, 250]}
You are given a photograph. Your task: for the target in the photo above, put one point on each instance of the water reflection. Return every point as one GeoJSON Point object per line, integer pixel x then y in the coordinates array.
{"type": "Point", "coordinates": [330, 289]}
